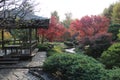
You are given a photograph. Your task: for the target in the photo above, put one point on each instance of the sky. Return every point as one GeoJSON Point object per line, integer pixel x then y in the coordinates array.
{"type": "Point", "coordinates": [78, 8]}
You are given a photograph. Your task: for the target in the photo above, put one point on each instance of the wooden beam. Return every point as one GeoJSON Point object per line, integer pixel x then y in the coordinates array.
{"type": "Point", "coordinates": [30, 38]}
{"type": "Point", "coordinates": [2, 38]}
{"type": "Point", "coordinates": [36, 35]}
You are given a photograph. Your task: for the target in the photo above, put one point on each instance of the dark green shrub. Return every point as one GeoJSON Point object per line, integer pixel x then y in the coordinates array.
{"type": "Point", "coordinates": [44, 47]}
{"type": "Point", "coordinates": [111, 57]}
{"type": "Point", "coordinates": [113, 74]}
{"type": "Point", "coordinates": [51, 53]}
{"type": "Point", "coordinates": [114, 29]}
{"type": "Point", "coordinates": [69, 44]}
{"type": "Point", "coordinates": [118, 35]}
{"type": "Point", "coordinates": [74, 67]}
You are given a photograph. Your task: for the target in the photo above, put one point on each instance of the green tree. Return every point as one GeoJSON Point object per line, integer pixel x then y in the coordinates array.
{"type": "Point", "coordinates": [116, 13]}
{"type": "Point", "coordinates": [114, 29]}
{"type": "Point", "coordinates": [118, 35]}
{"type": "Point", "coordinates": [67, 20]}
{"type": "Point", "coordinates": [108, 11]}
{"type": "Point", "coordinates": [55, 13]}
{"type": "Point", "coordinates": [111, 57]}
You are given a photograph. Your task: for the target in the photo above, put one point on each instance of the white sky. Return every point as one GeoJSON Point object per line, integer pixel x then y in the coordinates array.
{"type": "Point", "coordinates": [78, 8]}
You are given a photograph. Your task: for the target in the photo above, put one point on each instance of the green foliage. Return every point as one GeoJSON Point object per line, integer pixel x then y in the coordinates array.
{"type": "Point", "coordinates": [44, 47]}
{"type": "Point", "coordinates": [116, 13]}
{"type": "Point", "coordinates": [67, 20]}
{"type": "Point", "coordinates": [74, 67]}
{"type": "Point", "coordinates": [20, 34]}
{"type": "Point", "coordinates": [78, 50]}
{"type": "Point", "coordinates": [118, 35]}
{"type": "Point", "coordinates": [69, 44]}
{"type": "Point", "coordinates": [111, 57]}
{"type": "Point", "coordinates": [108, 11]}
{"type": "Point", "coordinates": [57, 49]}
{"type": "Point", "coordinates": [51, 53]}
{"type": "Point", "coordinates": [113, 74]}
{"type": "Point", "coordinates": [55, 13]}
{"type": "Point", "coordinates": [114, 29]}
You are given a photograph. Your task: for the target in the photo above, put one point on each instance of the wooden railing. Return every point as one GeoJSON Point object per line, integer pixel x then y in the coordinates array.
{"type": "Point", "coordinates": [19, 46]}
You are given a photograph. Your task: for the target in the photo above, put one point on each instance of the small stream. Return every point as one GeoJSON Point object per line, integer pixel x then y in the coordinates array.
{"type": "Point", "coordinates": [70, 50]}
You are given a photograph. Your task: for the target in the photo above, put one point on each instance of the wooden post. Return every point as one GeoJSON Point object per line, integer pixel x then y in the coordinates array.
{"type": "Point", "coordinates": [36, 35]}
{"type": "Point", "coordinates": [3, 40]}
{"type": "Point", "coordinates": [30, 38]}
{"type": "Point", "coordinates": [3, 30]}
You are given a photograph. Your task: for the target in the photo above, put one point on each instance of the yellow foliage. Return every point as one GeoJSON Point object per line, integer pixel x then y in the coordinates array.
{"type": "Point", "coordinates": [57, 49]}
{"type": "Point", "coordinates": [7, 35]}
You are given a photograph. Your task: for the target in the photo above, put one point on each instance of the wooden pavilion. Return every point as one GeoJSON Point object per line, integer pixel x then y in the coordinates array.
{"type": "Point", "coordinates": [21, 47]}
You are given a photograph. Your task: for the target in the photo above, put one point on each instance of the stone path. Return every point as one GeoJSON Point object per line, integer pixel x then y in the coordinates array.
{"type": "Point", "coordinates": [37, 60]}
{"type": "Point", "coordinates": [23, 74]}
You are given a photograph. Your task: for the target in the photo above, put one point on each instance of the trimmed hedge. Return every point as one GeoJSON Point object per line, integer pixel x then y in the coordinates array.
{"type": "Point", "coordinates": [113, 74]}
{"type": "Point", "coordinates": [111, 57]}
{"type": "Point", "coordinates": [45, 47]}
{"type": "Point", "coordinates": [74, 67]}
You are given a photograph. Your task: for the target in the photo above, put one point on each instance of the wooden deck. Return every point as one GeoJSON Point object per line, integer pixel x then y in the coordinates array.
{"type": "Point", "coordinates": [13, 58]}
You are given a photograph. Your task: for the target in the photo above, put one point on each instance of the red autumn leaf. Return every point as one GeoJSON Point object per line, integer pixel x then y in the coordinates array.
{"type": "Point", "coordinates": [55, 30]}
{"type": "Point", "coordinates": [89, 26]}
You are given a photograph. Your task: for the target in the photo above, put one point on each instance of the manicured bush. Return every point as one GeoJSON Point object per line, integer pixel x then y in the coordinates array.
{"type": "Point", "coordinates": [74, 67]}
{"type": "Point", "coordinates": [44, 47]}
{"type": "Point", "coordinates": [51, 53]}
{"type": "Point", "coordinates": [113, 74]}
{"type": "Point", "coordinates": [111, 57]}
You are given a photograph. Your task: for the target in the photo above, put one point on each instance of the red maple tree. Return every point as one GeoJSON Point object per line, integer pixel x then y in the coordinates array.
{"type": "Point", "coordinates": [54, 32]}
{"type": "Point", "coordinates": [89, 26]}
